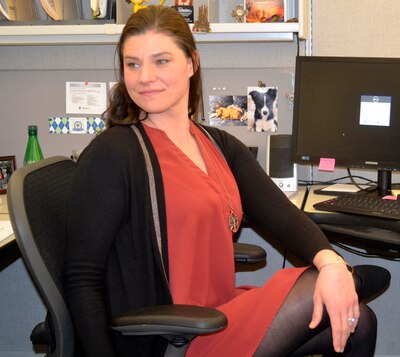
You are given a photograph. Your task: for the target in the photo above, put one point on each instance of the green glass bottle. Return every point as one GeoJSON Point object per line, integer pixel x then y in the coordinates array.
{"type": "Point", "coordinates": [33, 151]}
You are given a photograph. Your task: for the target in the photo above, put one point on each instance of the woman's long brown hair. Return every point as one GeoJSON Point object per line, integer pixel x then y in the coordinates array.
{"type": "Point", "coordinates": [122, 110]}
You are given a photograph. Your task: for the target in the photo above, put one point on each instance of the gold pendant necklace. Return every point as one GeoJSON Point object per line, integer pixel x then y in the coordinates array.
{"type": "Point", "coordinates": [233, 221]}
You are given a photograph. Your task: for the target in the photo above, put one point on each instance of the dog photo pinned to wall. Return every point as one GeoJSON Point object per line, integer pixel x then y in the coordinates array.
{"type": "Point", "coordinates": [229, 110]}
{"type": "Point", "coordinates": [262, 109]}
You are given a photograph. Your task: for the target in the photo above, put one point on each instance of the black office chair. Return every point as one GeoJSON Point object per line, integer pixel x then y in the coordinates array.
{"type": "Point", "coordinates": [37, 197]}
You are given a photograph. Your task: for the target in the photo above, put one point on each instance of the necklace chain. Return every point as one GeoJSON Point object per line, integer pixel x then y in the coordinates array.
{"type": "Point", "coordinates": [233, 221]}
{"type": "Point", "coordinates": [152, 122]}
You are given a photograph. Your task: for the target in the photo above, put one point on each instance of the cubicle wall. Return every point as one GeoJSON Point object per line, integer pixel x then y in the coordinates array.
{"type": "Point", "coordinates": [35, 96]}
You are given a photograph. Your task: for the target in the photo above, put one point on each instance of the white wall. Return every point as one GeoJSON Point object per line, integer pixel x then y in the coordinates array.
{"type": "Point", "coordinates": [367, 28]}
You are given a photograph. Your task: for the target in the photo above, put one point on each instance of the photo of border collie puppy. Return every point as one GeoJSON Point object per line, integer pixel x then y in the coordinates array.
{"type": "Point", "coordinates": [262, 106]}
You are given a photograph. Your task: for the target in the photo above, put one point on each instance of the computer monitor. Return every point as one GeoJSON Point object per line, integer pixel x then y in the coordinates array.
{"type": "Point", "coordinates": [348, 109]}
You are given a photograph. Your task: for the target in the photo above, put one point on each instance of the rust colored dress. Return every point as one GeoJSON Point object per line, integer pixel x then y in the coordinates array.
{"type": "Point", "coordinates": [201, 263]}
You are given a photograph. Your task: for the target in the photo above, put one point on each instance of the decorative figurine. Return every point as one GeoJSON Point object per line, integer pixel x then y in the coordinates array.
{"type": "Point", "coordinates": [202, 24]}
{"type": "Point", "coordinates": [240, 13]}
{"type": "Point", "coordinates": [139, 4]}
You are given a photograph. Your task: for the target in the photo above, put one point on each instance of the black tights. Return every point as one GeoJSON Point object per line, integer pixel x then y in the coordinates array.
{"type": "Point", "coordinates": [289, 334]}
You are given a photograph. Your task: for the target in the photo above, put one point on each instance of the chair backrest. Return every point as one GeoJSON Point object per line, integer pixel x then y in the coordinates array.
{"type": "Point", "coordinates": [37, 196]}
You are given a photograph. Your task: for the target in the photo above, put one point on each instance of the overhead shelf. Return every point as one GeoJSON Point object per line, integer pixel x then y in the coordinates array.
{"type": "Point", "coordinates": [254, 32]}
{"type": "Point", "coordinates": [109, 33]}
{"type": "Point", "coordinates": [85, 33]}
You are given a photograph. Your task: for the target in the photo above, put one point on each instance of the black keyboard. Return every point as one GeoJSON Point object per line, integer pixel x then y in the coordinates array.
{"type": "Point", "coordinates": [362, 204]}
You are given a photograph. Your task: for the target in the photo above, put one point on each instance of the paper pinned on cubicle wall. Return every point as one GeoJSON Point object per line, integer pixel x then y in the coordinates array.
{"type": "Point", "coordinates": [77, 125]}
{"type": "Point", "coordinates": [86, 97]}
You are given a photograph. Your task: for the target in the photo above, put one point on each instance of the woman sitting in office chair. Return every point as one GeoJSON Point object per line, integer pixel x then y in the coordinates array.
{"type": "Point", "coordinates": [204, 180]}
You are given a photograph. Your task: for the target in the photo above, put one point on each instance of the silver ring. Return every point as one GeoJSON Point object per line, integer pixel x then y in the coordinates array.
{"type": "Point", "coordinates": [351, 320]}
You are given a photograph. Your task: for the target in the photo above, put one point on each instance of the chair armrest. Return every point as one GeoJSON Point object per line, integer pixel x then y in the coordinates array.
{"type": "Point", "coordinates": [248, 253]}
{"type": "Point", "coordinates": [170, 320]}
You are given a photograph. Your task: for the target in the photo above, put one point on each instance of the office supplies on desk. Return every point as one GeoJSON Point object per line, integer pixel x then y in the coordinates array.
{"type": "Point", "coordinates": [5, 230]}
{"type": "Point", "coordinates": [340, 189]}
{"type": "Point", "coordinates": [361, 204]}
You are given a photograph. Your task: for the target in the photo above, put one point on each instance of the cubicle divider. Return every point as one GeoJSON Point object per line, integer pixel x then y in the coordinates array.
{"type": "Point", "coordinates": [40, 97]}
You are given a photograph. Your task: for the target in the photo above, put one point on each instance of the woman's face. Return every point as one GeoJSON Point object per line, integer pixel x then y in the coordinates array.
{"type": "Point", "coordinates": [157, 74]}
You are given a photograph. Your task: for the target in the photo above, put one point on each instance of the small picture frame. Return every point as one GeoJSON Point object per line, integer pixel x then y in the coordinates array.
{"type": "Point", "coordinates": [7, 167]}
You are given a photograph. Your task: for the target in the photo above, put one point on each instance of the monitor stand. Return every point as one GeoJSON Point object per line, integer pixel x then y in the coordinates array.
{"type": "Point", "coordinates": [384, 186]}
{"type": "Point", "coordinates": [382, 189]}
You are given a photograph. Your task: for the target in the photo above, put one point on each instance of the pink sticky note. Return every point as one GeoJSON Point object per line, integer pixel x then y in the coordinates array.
{"type": "Point", "coordinates": [390, 197]}
{"type": "Point", "coordinates": [326, 164]}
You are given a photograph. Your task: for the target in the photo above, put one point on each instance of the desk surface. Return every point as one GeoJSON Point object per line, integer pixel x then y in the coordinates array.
{"type": "Point", "coordinates": [3, 204]}
{"type": "Point", "coordinates": [5, 238]}
{"type": "Point", "coordinates": [313, 199]}
{"type": "Point", "coordinates": [377, 232]}
{"type": "Point", "coordinates": [297, 198]}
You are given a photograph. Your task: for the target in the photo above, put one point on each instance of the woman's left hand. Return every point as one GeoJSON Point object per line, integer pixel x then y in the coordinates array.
{"type": "Point", "coordinates": [335, 290]}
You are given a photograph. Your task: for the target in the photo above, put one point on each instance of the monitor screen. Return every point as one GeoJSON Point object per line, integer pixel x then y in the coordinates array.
{"type": "Point", "coordinates": [347, 109]}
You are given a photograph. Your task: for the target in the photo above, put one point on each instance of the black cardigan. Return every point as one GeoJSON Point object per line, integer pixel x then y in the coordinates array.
{"type": "Point", "coordinates": [112, 259]}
